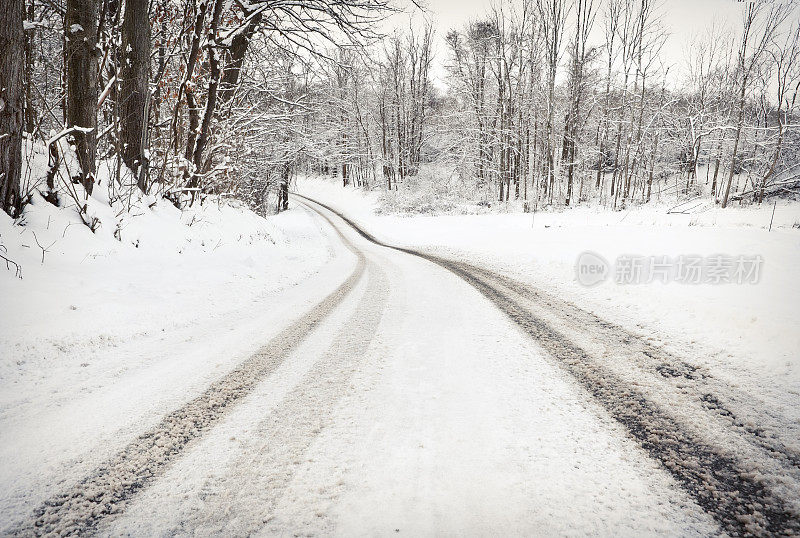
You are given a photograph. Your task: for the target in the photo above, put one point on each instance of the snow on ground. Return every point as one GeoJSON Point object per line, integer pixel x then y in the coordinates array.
{"type": "Point", "coordinates": [416, 406]}
{"type": "Point", "coordinates": [114, 328]}
{"type": "Point", "coordinates": [416, 409]}
{"type": "Point", "coordinates": [748, 334]}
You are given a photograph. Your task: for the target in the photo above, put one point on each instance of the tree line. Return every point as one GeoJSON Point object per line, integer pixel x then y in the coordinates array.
{"type": "Point", "coordinates": [570, 101]}
{"type": "Point", "coordinates": [544, 101]}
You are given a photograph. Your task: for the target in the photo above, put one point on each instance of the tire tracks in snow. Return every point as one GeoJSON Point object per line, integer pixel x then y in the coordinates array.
{"type": "Point", "coordinates": [736, 495]}
{"type": "Point", "coordinates": [110, 488]}
{"type": "Point", "coordinates": [258, 477]}
{"type": "Point", "coordinates": [738, 499]}
{"type": "Point", "coordinates": [728, 406]}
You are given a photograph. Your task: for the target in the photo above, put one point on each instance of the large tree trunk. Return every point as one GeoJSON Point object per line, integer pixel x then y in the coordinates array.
{"type": "Point", "coordinates": [80, 25]}
{"type": "Point", "coordinates": [12, 108]}
{"type": "Point", "coordinates": [134, 91]}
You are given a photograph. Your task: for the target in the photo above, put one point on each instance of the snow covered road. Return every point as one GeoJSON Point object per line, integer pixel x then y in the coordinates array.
{"type": "Point", "coordinates": [737, 457]}
{"type": "Point", "coordinates": [406, 402]}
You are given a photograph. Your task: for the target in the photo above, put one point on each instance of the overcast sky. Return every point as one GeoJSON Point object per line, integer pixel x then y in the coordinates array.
{"type": "Point", "coordinates": [681, 18]}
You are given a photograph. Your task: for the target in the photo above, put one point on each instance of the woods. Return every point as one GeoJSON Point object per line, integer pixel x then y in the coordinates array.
{"type": "Point", "coordinates": [546, 102]}
{"type": "Point", "coordinates": [145, 96]}
{"type": "Point", "coordinates": [611, 121]}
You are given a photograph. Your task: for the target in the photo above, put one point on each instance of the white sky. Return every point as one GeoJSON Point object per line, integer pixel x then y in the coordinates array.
{"type": "Point", "coordinates": [681, 18]}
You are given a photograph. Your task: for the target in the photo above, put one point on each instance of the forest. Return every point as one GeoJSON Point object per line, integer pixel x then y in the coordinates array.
{"type": "Point", "coordinates": [541, 102]}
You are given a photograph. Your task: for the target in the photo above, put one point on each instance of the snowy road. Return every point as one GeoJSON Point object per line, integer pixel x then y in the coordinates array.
{"type": "Point", "coordinates": [406, 402]}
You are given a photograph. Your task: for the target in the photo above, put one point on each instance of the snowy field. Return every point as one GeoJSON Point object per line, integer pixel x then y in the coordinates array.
{"type": "Point", "coordinates": [748, 334]}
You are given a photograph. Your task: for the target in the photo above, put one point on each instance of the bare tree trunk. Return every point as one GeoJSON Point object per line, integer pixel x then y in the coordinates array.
{"type": "Point", "coordinates": [717, 160]}
{"type": "Point", "coordinates": [602, 130]}
{"type": "Point", "coordinates": [134, 91]}
{"type": "Point", "coordinates": [283, 191]}
{"type": "Point", "coordinates": [80, 27]}
{"type": "Point", "coordinates": [211, 98]}
{"type": "Point", "coordinates": [194, 124]}
{"type": "Point", "coordinates": [736, 138]}
{"type": "Point", "coordinates": [550, 134]}
{"type": "Point", "coordinates": [30, 111]}
{"type": "Point", "coordinates": [629, 173]}
{"type": "Point", "coordinates": [237, 52]}
{"type": "Point", "coordinates": [12, 107]}
{"type": "Point", "coordinates": [652, 168]}
{"type": "Point", "coordinates": [185, 86]}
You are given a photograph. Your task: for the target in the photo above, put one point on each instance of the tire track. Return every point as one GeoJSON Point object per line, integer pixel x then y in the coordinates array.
{"type": "Point", "coordinates": [109, 489]}
{"type": "Point", "coordinates": [740, 501]}
{"type": "Point", "coordinates": [729, 406]}
{"type": "Point", "coordinates": [259, 476]}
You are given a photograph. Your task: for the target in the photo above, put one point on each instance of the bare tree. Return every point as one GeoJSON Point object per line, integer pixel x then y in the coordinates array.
{"type": "Point", "coordinates": [786, 57]}
{"type": "Point", "coordinates": [553, 14]}
{"type": "Point", "coordinates": [472, 54]}
{"type": "Point", "coordinates": [612, 16]}
{"type": "Point", "coordinates": [584, 20]}
{"type": "Point", "coordinates": [759, 26]}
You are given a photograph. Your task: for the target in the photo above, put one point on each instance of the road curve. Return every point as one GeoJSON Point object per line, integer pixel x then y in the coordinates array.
{"type": "Point", "coordinates": [748, 479]}
{"type": "Point", "coordinates": [416, 407]}
{"type": "Point", "coordinates": [405, 402]}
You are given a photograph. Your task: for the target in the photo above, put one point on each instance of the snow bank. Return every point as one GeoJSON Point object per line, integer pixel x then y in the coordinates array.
{"type": "Point", "coordinates": [145, 264]}
{"type": "Point", "coordinates": [140, 270]}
